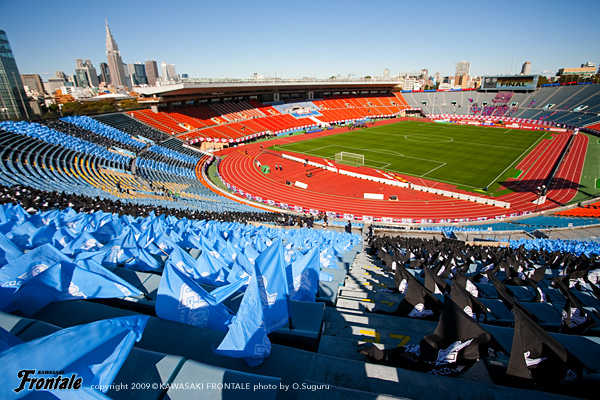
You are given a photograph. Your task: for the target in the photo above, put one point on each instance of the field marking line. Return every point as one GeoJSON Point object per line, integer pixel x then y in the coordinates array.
{"type": "Point", "coordinates": [323, 147]}
{"type": "Point", "coordinates": [527, 151]}
{"type": "Point", "coordinates": [427, 173]}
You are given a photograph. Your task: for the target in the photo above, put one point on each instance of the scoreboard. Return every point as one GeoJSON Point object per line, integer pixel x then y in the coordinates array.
{"type": "Point", "coordinates": [510, 83]}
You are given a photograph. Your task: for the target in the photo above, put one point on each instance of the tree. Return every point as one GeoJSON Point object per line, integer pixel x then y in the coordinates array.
{"type": "Point", "coordinates": [542, 80]}
{"type": "Point", "coordinates": [128, 104]}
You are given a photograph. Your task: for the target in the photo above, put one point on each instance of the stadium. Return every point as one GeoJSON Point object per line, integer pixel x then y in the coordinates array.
{"type": "Point", "coordinates": [233, 229]}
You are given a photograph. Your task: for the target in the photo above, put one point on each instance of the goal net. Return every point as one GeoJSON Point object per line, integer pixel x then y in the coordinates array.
{"type": "Point", "coordinates": [345, 157]}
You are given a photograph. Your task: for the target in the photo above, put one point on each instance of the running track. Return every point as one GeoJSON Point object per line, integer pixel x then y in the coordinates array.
{"type": "Point", "coordinates": [337, 193]}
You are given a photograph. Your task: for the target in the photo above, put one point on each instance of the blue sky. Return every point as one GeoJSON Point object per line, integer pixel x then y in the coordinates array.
{"type": "Point", "coordinates": [293, 39]}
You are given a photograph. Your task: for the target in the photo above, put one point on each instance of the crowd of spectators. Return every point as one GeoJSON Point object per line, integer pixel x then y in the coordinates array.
{"type": "Point", "coordinates": [33, 200]}
{"type": "Point", "coordinates": [503, 97]}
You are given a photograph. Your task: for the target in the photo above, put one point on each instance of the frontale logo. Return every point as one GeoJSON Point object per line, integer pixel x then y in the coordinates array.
{"type": "Point", "coordinates": [56, 382]}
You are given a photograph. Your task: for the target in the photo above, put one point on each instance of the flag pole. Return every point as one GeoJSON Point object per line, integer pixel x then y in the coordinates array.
{"type": "Point", "coordinates": [287, 273]}
{"type": "Point", "coordinates": [289, 304]}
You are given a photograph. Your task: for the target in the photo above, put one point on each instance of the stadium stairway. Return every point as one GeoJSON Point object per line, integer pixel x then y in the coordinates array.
{"type": "Point", "coordinates": [352, 322]}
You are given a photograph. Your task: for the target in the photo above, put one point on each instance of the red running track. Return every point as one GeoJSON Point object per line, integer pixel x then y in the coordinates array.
{"type": "Point", "coordinates": [329, 191]}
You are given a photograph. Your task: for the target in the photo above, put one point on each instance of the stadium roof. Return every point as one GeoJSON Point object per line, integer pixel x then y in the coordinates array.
{"type": "Point", "coordinates": [187, 91]}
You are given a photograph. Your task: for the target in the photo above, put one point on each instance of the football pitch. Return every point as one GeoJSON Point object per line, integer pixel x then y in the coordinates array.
{"type": "Point", "coordinates": [471, 157]}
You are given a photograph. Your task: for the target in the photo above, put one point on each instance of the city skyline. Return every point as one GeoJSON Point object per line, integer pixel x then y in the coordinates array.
{"type": "Point", "coordinates": [206, 40]}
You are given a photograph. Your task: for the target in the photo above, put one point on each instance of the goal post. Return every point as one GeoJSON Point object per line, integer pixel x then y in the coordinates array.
{"type": "Point", "coordinates": [345, 157]}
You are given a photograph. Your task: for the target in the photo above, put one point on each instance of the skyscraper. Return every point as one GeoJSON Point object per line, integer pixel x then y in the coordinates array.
{"type": "Point", "coordinates": [33, 82]}
{"type": "Point", "coordinates": [139, 73]}
{"type": "Point", "coordinates": [168, 72]}
{"type": "Point", "coordinates": [463, 68]}
{"type": "Point", "coordinates": [526, 68]}
{"type": "Point", "coordinates": [86, 72]}
{"type": "Point", "coordinates": [151, 72]}
{"type": "Point", "coordinates": [115, 63]}
{"type": "Point", "coordinates": [104, 73]}
{"type": "Point", "coordinates": [14, 103]}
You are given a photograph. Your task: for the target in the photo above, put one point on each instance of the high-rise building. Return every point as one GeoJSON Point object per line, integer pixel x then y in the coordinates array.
{"type": "Point", "coordinates": [104, 73]}
{"type": "Point", "coordinates": [33, 82]}
{"type": "Point", "coordinates": [151, 72]}
{"type": "Point", "coordinates": [61, 74]}
{"type": "Point", "coordinates": [463, 68]}
{"type": "Point", "coordinates": [168, 72]}
{"type": "Point", "coordinates": [14, 103]}
{"type": "Point", "coordinates": [137, 72]}
{"type": "Point", "coordinates": [141, 77]}
{"type": "Point", "coordinates": [115, 63]}
{"type": "Point", "coordinates": [526, 68]}
{"type": "Point", "coordinates": [80, 75]}
{"type": "Point", "coordinates": [386, 74]}
{"type": "Point", "coordinates": [164, 74]}
{"type": "Point", "coordinates": [86, 73]}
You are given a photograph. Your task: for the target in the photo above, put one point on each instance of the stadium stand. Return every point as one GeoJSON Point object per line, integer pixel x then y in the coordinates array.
{"type": "Point", "coordinates": [88, 162]}
{"type": "Point", "coordinates": [240, 121]}
{"type": "Point", "coordinates": [112, 196]}
{"type": "Point", "coordinates": [575, 105]}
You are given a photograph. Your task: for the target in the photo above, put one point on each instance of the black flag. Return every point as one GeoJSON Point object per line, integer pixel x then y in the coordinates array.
{"type": "Point", "coordinates": [469, 304]}
{"type": "Point", "coordinates": [575, 320]}
{"type": "Point", "coordinates": [458, 341]}
{"type": "Point", "coordinates": [538, 358]}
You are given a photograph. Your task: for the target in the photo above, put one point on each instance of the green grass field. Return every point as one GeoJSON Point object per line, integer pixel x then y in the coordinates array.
{"type": "Point", "coordinates": [470, 157]}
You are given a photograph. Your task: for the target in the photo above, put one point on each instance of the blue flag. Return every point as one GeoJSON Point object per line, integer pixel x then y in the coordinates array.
{"type": "Point", "coordinates": [247, 336]}
{"type": "Point", "coordinates": [241, 269]}
{"type": "Point", "coordinates": [271, 278]}
{"type": "Point", "coordinates": [124, 250]}
{"type": "Point", "coordinates": [250, 253]}
{"type": "Point", "coordinates": [62, 237]}
{"type": "Point", "coordinates": [22, 235]}
{"type": "Point", "coordinates": [8, 340]}
{"type": "Point", "coordinates": [181, 299]}
{"type": "Point", "coordinates": [264, 308]}
{"type": "Point", "coordinates": [222, 293]}
{"type": "Point", "coordinates": [45, 275]}
{"type": "Point", "coordinates": [14, 212]}
{"type": "Point", "coordinates": [326, 257]}
{"type": "Point", "coordinates": [210, 268]}
{"type": "Point", "coordinates": [8, 251]}
{"type": "Point", "coordinates": [108, 231]}
{"type": "Point", "coordinates": [165, 244]}
{"type": "Point", "coordinates": [85, 355]}
{"type": "Point", "coordinates": [84, 242]}
{"type": "Point", "coordinates": [305, 272]}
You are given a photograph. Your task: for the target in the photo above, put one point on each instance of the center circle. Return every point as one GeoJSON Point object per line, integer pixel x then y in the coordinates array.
{"type": "Point", "coordinates": [425, 138]}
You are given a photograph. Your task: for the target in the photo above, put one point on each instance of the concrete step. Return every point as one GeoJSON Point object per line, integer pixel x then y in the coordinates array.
{"type": "Point", "coordinates": [374, 295]}
{"type": "Point", "coordinates": [365, 305]}
{"type": "Point", "coordinates": [366, 334]}
{"type": "Point", "coordinates": [404, 325]}
{"type": "Point", "coordinates": [402, 383]}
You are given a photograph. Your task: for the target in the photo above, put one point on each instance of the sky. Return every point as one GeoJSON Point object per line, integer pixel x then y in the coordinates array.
{"type": "Point", "coordinates": [306, 38]}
